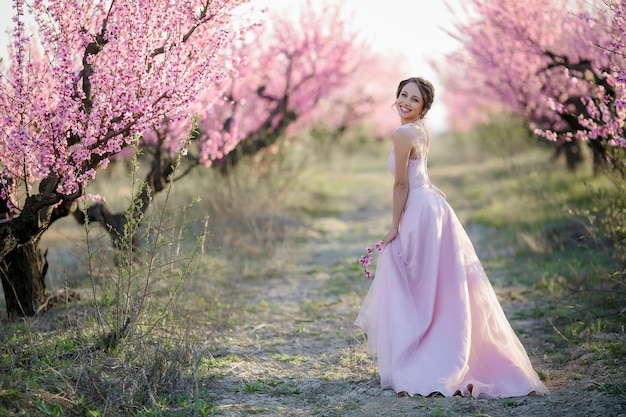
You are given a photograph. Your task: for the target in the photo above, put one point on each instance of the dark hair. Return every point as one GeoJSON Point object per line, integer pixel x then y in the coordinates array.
{"type": "Point", "coordinates": [426, 88]}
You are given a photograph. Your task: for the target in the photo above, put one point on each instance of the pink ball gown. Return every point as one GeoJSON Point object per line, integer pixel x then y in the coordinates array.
{"type": "Point", "coordinates": [431, 316]}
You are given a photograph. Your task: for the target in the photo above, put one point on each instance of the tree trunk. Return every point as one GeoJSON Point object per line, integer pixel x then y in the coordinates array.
{"type": "Point", "coordinates": [23, 271]}
{"type": "Point", "coordinates": [599, 153]}
{"type": "Point", "coordinates": [115, 223]}
{"type": "Point", "coordinates": [573, 154]}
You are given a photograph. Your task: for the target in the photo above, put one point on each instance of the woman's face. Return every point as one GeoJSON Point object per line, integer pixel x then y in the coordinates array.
{"type": "Point", "coordinates": [410, 102]}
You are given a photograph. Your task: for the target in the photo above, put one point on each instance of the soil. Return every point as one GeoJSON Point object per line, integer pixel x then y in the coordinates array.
{"type": "Point", "coordinates": [295, 352]}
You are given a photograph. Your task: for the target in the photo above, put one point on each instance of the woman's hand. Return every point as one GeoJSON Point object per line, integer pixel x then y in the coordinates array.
{"type": "Point", "coordinates": [391, 235]}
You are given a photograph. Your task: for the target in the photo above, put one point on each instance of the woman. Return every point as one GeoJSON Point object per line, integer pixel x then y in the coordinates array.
{"type": "Point", "coordinates": [431, 315]}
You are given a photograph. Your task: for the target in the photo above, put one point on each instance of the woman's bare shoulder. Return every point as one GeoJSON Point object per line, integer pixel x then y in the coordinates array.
{"type": "Point", "coordinates": [407, 131]}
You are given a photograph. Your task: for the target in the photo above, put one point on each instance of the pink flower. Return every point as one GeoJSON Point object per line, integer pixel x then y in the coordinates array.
{"type": "Point", "coordinates": [366, 260]}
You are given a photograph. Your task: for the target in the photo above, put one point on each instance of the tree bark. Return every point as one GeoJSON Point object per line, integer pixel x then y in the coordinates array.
{"type": "Point", "coordinates": [573, 154]}
{"type": "Point", "coordinates": [23, 272]}
{"type": "Point", "coordinates": [114, 223]}
{"type": "Point", "coordinates": [265, 136]}
{"type": "Point", "coordinates": [23, 267]}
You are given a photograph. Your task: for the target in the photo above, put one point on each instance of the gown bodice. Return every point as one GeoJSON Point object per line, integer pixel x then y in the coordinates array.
{"type": "Point", "coordinates": [418, 171]}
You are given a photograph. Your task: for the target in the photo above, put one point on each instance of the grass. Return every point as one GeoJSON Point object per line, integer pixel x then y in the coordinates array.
{"type": "Point", "coordinates": [258, 226]}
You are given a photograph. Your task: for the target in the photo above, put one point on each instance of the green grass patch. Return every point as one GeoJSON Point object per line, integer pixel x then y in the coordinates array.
{"type": "Point", "coordinates": [283, 357]}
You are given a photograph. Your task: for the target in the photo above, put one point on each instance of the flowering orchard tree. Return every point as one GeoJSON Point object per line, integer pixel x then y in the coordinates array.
{"type": "Point", "coordinates": [604, 119]}
{"type": "Point", "coordinates": [367, 99]}
{"type": "Point", "coordinates": [553, 62]}
{"type": "Point", "coordinates": [287, 67]}
{"type": "Point", "coordinates": [281, 73]}
{"type": "Point", "coordinates": [82, 86]}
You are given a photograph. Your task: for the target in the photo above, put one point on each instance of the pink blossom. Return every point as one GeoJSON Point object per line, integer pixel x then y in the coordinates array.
{"type": "Point", "coordinates": [557, 63]}
{"type": "Point", "coordinates": [366, 260]}
{"type": "Point", "coordinates": [53, 124]}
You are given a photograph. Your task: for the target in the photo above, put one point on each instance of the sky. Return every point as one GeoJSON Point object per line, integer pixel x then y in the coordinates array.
{"type": "Point", "coordinates": [414, 29]}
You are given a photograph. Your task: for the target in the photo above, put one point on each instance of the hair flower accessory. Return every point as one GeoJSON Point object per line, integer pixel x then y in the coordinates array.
{"type": "Point", "coordinates": [366, 260]}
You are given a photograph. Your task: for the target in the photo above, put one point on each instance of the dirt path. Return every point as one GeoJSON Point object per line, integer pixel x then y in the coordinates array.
{"type": "Point", "coordinates": [295, 351]}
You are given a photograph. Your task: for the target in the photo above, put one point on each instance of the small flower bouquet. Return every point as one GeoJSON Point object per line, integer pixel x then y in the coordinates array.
{"type": "Point", "coordinates": [366, 260]}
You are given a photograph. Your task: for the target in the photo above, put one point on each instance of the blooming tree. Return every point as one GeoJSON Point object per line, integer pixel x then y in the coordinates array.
{"type": "Point", "coordinates": [604, 119]}
{"type": "Point", "coordinates": [286, 68]}
{"type": "Point", "coordinates": [366, 100]}
{"type": "Point", "coordinates": [553, 62]}
{"type": "Point", "coordinates": [80, 87]}
{"type": "Point", "coordinates": [247, 89]}
{"type": "Point", "coordinates": [280, 74]}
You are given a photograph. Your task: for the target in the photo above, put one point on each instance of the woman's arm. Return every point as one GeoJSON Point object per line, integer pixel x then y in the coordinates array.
{"type": "Point", "coordinates": [403, 144]}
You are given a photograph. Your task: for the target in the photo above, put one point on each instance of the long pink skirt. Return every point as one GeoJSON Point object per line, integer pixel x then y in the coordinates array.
{"type": "Point", "coordinates": [431, 316]}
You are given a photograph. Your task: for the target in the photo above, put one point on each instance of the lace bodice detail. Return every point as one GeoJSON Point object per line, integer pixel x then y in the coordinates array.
{"type": "Point", "coordinates": [418, 172]}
